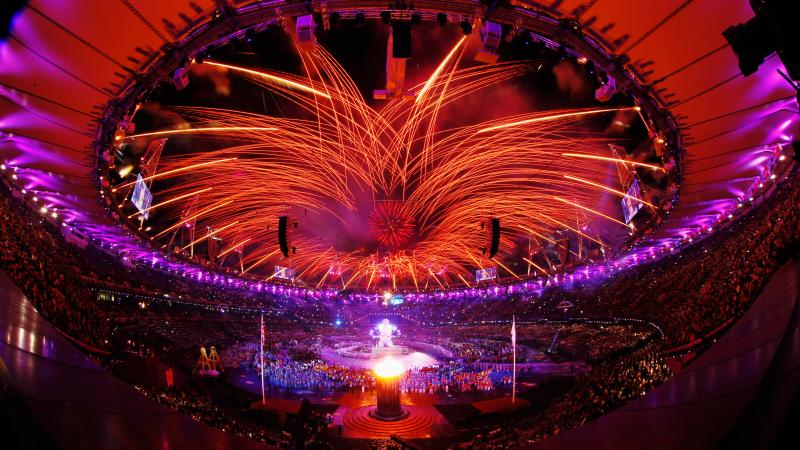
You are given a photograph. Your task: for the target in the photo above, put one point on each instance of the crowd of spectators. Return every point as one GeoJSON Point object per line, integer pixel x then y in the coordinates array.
{"type": "Point", "coordinates": [47, 270]}
{"type": "Point", "coordinates": [691, 295]}
{"type": "Point", "coordinates": [605, 387]}
{"type": "Point", "coordinates": [316, 375]}
{"type": "Point", "coordinates": [454, 378]}
{"type": "Point", "coordinates": [694, 291]}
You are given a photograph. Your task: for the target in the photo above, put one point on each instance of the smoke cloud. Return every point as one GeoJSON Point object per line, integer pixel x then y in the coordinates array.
{"type": "Point", "coordinates": [570, 79]}
{"type": "Point", "coordinates": [218, 76]}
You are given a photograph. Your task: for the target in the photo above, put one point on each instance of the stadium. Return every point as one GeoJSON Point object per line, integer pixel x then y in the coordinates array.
{"type": "Point", "coordinates": [343, 224]}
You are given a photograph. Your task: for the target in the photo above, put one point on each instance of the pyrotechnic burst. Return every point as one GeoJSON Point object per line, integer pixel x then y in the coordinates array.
{"type": "Point", "coordinates": [440, 183]}
{"type": "Point", "coordinates": [390, 225]}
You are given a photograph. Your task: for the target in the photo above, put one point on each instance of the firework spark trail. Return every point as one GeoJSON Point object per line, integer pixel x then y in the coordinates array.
{"type": "Point", "coordinates": [260, 260]}
{"type": "Point", "coordinates": [597, 213]}
{"type": "Point", "coordinates": [548, 117]}
{"type": "Point", "coordinates": [466, 82]}
{"type": "Point", "coordinates": [422, 102]}
{"type": "Point", "coordinates": [233, 247]}
{"type": "Point", "coordinates": [167, 202]}
{"type": "Point", "coordinates": [616, 160]}
{"type": "Point", "coordinates": [445, 181]}
{"type": "Point", "coordinates": [284, 81]}
{"type": "Point", "coordinates": [435, 74]}
{"type": "Point", "coordinates": [193, 217]}
{"type": "Point", "coordinates": [612, 190]}
{"type": "Point", "coordinates": [172, 172]}
{"type": "Point", "coordinates": [199, 130]}
{"type": "Point", "coordinates": [210, 233]}
{"type": "Point", "coordinates": [538, 267]}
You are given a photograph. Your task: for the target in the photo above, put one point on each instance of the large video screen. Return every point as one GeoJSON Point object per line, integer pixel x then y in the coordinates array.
{"type": "Point", "coordinates": [630, 206]}
{"type": "Point", "coordinates": [141, 197]}
{"type": "Point", "coordinates": [284, 273]}
{"type": "Point", "coordinates": [489, 273]}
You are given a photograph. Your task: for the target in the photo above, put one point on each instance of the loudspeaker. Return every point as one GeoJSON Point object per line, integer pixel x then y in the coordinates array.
{"type": "Point", "coordinates": [401, 42]}
{"type": "Point", "coordinates": [283, 240]}
{"type": "Point", "coordinates": [796, 146]}
{"type": "Point", "coordinates": [495, 245]}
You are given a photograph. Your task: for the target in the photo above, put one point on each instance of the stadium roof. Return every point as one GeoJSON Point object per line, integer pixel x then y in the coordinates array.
{"type": "Point", "coordinates": [65, 62]}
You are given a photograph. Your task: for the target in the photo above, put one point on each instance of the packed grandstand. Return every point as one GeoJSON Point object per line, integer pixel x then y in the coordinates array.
{"type": "Point", "coordinates": [629, 342]}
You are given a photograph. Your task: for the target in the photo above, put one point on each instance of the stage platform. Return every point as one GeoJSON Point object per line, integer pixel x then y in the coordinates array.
{"type": "Point", "coordinates": [423, 420]}
{"type": "Point", "coordinates": [397, 350]}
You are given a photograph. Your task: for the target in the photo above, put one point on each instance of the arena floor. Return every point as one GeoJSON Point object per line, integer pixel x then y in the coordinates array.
{"type": "Point", "coordinates": [410, 360]}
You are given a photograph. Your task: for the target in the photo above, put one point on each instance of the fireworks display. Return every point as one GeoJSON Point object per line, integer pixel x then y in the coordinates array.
{"type": "Point", "coordinates": [382, 195]}
{"type": "Point", "coordinates": [390, 225]}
